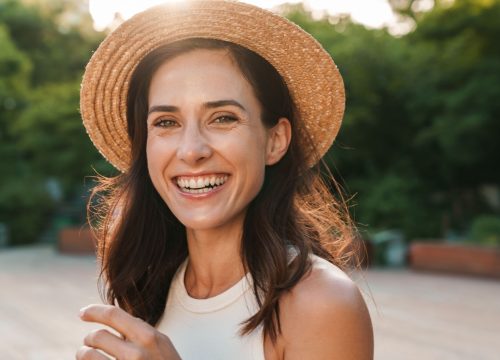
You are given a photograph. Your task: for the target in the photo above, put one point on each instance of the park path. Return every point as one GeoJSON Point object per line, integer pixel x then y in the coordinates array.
{"type": "Point", "coordinates": [415, 315]}
{"type": "Point", "coordinates": [428, 316]}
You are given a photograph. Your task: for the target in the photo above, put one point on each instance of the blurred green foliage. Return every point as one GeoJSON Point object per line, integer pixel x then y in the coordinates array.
{"type": "Point", "coordinates": [25, 206]}
{"type": "Point", "coordinates": [43, 143]}
{"type": "Point", "coordinates": [420, 135]}
{"type": "Point", "coordinates": [486, 230]}
{"type": "Point", "coordinates": [418, 142]}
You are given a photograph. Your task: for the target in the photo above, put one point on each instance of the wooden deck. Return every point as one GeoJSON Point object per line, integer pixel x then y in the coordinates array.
{"type": "Point", "coordinates": [415, 315]}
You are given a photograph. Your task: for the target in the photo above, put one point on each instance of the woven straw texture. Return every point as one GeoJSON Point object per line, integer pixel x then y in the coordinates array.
{"type": "Point", "coordinates": [313, 79]}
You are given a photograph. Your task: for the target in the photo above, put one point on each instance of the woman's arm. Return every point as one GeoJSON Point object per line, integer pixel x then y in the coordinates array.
{"type": "Point", "coordinates": [325, 317]}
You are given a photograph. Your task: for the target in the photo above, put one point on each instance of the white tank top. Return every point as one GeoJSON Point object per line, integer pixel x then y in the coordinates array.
{"type": "Point", "coordinates": [209, 328]}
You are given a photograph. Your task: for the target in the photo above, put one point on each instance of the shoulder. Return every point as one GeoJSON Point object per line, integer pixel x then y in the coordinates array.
{"type": "Point", "coordinates": [325, 317]}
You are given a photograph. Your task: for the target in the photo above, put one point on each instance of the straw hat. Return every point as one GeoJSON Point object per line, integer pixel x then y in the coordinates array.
{"type": "Point", "coordinates": [313, 79]}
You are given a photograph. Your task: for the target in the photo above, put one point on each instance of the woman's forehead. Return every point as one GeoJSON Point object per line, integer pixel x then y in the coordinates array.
{"type": "Point", "coordinates": [204, 75]}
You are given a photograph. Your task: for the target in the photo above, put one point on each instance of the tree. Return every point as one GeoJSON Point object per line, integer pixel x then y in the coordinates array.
{"type": "Point", "coordinates": [419, 136]}
{"type": "Point", "coordinates": [23, 200]}
{"type": "Point", "coordinates": [52, 138]}
{"type": "Point", "coordinates": [458, 107]}
{"type": "Point", "coordinates": [43, 141]}
{"type": "Point", "coordinates": [59, 51]}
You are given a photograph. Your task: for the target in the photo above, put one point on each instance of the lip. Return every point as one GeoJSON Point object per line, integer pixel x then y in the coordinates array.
{"type": "Point", "coordinates": [201, 195]}
{"type": "Point", "coordinates": [204, 173]}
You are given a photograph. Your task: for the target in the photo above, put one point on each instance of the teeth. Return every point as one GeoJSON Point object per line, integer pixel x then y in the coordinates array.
{"type": "Point", "coordinates": [198, 185]}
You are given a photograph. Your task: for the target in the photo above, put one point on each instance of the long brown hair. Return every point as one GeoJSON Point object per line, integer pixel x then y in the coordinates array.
{"type": "Point", "coordinates": [141, 243]}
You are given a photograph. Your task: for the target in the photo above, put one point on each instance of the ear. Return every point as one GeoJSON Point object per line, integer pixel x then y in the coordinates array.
{"type": "Point", "coordinates": [278, 141]}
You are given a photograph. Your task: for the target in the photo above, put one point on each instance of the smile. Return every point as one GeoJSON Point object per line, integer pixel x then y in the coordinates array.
{"type": "Point", "coordinates": [200, 184]}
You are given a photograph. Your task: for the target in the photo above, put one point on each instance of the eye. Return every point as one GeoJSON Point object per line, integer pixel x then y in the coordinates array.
{"type": "Point", "coordinates": [225, 119]}
{"type": "Point", "coordinates": [165, 123]}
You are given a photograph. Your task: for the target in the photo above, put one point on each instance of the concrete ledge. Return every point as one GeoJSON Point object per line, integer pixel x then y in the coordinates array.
{"type": "Point", "coordinates": [455, 258]}
{"type": "Point", "coordinates": [76, 240]}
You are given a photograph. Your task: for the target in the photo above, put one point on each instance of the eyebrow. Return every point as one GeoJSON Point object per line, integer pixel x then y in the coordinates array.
{"type": "Point", "coordinates": [207, 105]}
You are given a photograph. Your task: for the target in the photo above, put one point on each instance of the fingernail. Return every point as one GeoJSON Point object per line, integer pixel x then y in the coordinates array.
{"type": "Point", "coordinates": [82, 311]}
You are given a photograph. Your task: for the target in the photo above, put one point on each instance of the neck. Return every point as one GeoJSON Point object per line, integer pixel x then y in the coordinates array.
{"type": "Point", "coordinates": [214, 259]}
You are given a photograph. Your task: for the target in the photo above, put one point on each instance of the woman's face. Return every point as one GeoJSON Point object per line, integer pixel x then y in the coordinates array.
{"type": "Point", "coordinates": [207, 147]}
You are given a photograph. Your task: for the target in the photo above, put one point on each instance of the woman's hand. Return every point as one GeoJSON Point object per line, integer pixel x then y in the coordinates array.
{"type": "Point", "coordinates": [139, 339]}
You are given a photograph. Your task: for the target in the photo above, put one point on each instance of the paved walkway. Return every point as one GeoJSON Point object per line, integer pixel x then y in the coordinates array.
{"type": "Point", "coordinates": [415, 315]}
{"type": "Point", "coordinates": [434, 317]}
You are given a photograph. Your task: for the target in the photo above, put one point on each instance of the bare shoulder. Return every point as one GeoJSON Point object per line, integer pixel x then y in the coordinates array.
{"type": "Point", "coordinates": [325, 317]}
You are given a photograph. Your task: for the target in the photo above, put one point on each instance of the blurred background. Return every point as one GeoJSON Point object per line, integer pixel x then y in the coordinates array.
{"type": "Point", "coordinates": [418, 154]}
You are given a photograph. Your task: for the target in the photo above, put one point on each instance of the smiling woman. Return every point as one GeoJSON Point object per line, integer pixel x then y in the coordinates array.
{"type": "Point", "coordinates": [219, 239]}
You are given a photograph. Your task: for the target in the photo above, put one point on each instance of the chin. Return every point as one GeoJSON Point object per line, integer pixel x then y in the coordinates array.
{"type": "Point", "coordinates": [196, 221]}
{"type": "Point", "coordinates": [204, 223]}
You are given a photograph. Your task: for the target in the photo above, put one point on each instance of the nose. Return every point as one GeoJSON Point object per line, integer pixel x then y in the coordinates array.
{"type": "Point", "coordinates": [193, 147]}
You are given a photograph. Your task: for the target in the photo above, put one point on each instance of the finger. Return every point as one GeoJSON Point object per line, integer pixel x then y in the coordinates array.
{"type": "Point", "coordinates": [131, 327]}
{"type": "Point", "coordinates": [111, 344]}
{"type": "Point", "coordinates": [88, 353]}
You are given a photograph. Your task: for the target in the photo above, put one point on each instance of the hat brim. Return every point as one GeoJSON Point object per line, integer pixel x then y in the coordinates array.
{"type": "Point", "coordinates": [314, 82]}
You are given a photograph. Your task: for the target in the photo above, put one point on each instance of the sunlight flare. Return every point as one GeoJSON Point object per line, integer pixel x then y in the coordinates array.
{"type": "Point", "coordinates": [375, 13]}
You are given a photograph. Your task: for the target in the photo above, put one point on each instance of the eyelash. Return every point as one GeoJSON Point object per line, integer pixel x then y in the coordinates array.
{"type": "Point", "coordinates": [162, 122]}
{"type": "Point", "coordinates": [230, 118]}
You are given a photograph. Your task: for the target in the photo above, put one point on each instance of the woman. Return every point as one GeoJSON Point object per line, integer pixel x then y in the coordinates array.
{"type": "Point", "coordinates": [219, 240]}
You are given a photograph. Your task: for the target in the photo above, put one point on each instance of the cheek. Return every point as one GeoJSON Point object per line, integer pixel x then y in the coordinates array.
{"type": "Point", "coordinates": [152, 154]}
{"type": "Point", "coordinates": [248, 156]}
{"type": "Point", "coordinates": [158, 154]}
